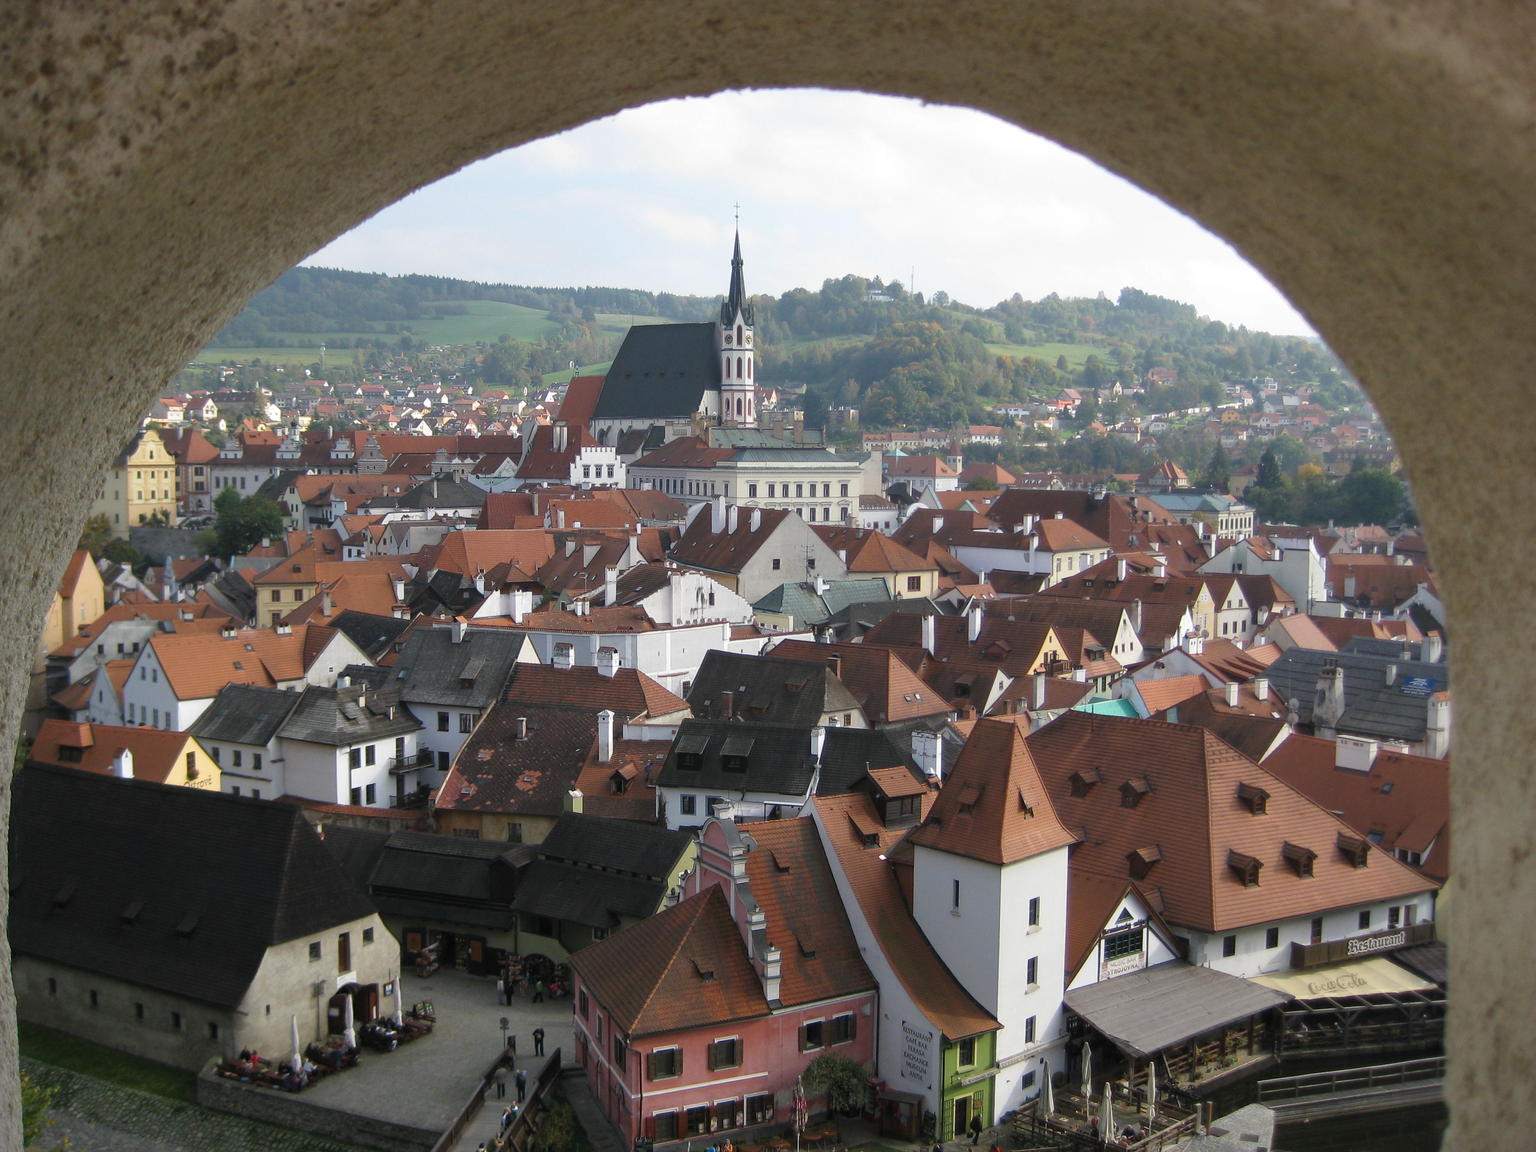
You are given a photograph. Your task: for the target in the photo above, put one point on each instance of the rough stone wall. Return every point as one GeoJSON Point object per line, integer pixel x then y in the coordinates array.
{"type": "Point", "coordinates": [162, 160]}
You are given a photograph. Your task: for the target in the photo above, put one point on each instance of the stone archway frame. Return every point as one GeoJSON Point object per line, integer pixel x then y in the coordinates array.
{"type": "Point", "coordinates": [164, 160]}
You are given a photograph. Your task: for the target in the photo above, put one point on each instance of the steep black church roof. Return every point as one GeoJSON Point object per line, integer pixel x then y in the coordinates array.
{"type": "Point", "coordinates": [662, 370]}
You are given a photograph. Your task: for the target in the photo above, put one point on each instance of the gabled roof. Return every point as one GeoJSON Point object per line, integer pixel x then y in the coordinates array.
{"type": "Point", "coordinates": [186, 914]}
{"type": "Point", "coordinates": [245, 714]}
{"type": "Point", "coordinates": [682, 968]}
{"type": "Point", "coordinates": [993, 806]}
{"type": "Point", "coordinates": [197, 666]}
{"type": "Point", "coordinates": [660, 371]}
{"type": "Point", "coordinates": [887, 690]}
{"type": "Point", "coordinates": [156, 752]}
{"type": "Point", "coordinates": [629, 693]}
{"type": "Point", "coordinates": [373, 635]}
{"type": "Point", "coordinates": [499, 771]}
{"type": "Point", "coordinates": [767, 689]}
{"type": "Point", "coordinates": [701, 547]}
{"type": "Point", "coordinates": [1372, 706]}
{"type": "Point", "coordinates": [646, 851]}
{"type": "Point", "coordinates": [1160, 695]}
{"type": "Point", "coordinates": [1184, 797]}
{"type": "Point", "coordinates": [729, 756]}
{"type": "Point", "coordinates": [472, 672]}
{"type": "Point", "coordinates": [345, 715]}
{"type": "Point", "coordinates": [853, 831]}
{"type": "Point", "coordinates": [804, 916]}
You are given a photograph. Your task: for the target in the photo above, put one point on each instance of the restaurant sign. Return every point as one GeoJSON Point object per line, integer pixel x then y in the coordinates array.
{"type": "Point", "coordinates": [1365, 945]}
{"type": "Point", "coordinates": [916, 1054]}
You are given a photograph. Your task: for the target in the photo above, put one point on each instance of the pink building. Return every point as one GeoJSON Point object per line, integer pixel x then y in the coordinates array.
{"type": "Point", "coordinates": [699, 1019]}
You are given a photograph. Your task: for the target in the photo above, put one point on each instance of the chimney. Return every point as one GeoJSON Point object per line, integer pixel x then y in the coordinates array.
{"type": "Point", "coordinates": [1037, 696]}
{"type": "Point", "coordinates": [926, 748]}
{"type": "Point", "coordinates": [607, 661]}
{"type": "Point", "coordinates": [325, 603]}
{"type": "Point", "coordinates": [755, 523]}
{"type": "Point", "coordinates": [1136, 617]}
{"type": "Point", "coordinates": [522, 604]}
{"type": "Point", "coordinates": [717, 515]}
{"type": "Point", "coordinates": [605, 736]}
{"type": "Point", "coordinates": [727, 705]}
{"type": "Point", "coordinates": [122, 764]}
{"type": "Point", "coordinates": [1160, 570]}
{"type": "Point", "coordinates": [930, 634]}
{"type": "Point", "coordinates": [771, 974]}
{"type": "Point", "coordinates": [1354, 754]}
{"type": "Point", "coordinates": [1430, 651]}
{"type": "Point", "coordinates": [460, 626]}
{"type": "Point", "coordinates": [1261, 688]}
{"type": "Point", "coordinates": [973, 622]}
{"type": "Point", "coordinates": [818, 738]}
{"type": "Point", "coordinates": [821, 586]}
{"type": "Point", "coordinates": [1194, 644]}
{"type": "Point", "coordinates": [564, 656]}
{"type": "Point", "coordinates": [559, 518]}
{"type": "Point", "coordinates": [1231, 689]}
{"type": "Point", "coordinates": [1391, 674]}
{"type": "Point", "coordinates": [732, 518]}
{"type": "Point", "coordinates": [399, 585]}
{"type": "Point", "coordinates": [520, 728]}
{"type": "Point", "coordinates": [835, 662]}
{"type": "Point", "coordinates": [575, 801]}
{"type": "Point", "coordinates": [610, 585]}
{"type": "Point", "coordinates": [1120, 569]}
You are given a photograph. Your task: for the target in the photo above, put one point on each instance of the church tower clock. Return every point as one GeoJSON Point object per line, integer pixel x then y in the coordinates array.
{"type": "Point", "coordinates": [738, 388]}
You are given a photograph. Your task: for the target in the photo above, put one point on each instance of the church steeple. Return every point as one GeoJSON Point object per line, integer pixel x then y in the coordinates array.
{"type": "Point", "coordinates": [738, 390]}
{"type": "Point", "coordinates": [737, 302]}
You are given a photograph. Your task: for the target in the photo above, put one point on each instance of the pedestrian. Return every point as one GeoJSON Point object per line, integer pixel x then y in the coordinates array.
{"type": "Point", "coordinates": [512, 1045]}
{"type": "Point", "coordinates": [522, 1085]}
{"type": "Point", "coordinates": [538, 991]}
{"type": "Point", "coordinates": [506, 1118]}
{"type": "Point", "coordinates": [501, 1081]}
{"type": "Point", "coordinates": [975, 1128]}
{"type": "Point", "coordinates": [509, 985]}
{"type": "Point", "coordinates": [538, 1041]}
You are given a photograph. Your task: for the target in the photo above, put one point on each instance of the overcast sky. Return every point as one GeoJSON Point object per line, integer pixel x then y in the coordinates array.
{"type": "Point", "coordinates": [829, 183]}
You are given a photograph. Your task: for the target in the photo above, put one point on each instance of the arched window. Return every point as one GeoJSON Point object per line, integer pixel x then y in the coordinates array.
{"type": "Point", "coordinates": [749, 369]}
{"type": "Point", "coordinates": [738, 334]}
{"type": "Point", "coordinates": [738, 367]}
{"type": "Point", "coordinates": [727, 367]}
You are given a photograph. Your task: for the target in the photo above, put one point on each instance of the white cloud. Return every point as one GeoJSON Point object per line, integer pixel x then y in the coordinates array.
{"type": "Point", "coordinates": [829, 183]}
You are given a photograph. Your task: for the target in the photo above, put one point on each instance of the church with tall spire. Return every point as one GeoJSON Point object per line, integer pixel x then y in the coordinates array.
{"type": "Point", "coordinates": [738, 392]}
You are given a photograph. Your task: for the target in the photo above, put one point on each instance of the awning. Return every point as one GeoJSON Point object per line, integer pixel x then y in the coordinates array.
{"type": "Point", "coordinates": [1366, 976]}
{"type": "Point", "coordinates": [1158, 1007]}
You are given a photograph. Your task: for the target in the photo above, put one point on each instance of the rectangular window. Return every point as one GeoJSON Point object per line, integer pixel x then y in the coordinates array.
{"type": "Point", "coordinates": [138, 1010]}
{"type": "Point", "coordinates": [1032, 970]}
{"type": "Point", "coordinates": [255, 761]}
{"type": "Point", "coordinates": [914, 583]}
{"type": "Point", "coordinates": [213, 1030]}
{"type": "Point", "coordinates": [1029, 1030]}
{"type": "Point", "coordinates": [370, 754]}
{"type": "Point", "coordinates": [314, 949]}
{"type": "Point", "coordinates": [770, 491]}
{"type": "Point", "coordinates": [355, 798]}
{"type": "Point", "coordinates": [466, 721]}
{"type": "Point", "coordinates": [1229, 945]}
{"type": "Point", "coordinates": [751, 491]}
{"type": "Point", "coordinates": [843, 489]}
{"type": "Point", "coordinates": [844, 1028]}
{"type": "Point", "coordinates": [954, 897]}
{"type": "Point", "coordinates": [665, 1063]}
{"type": "Point", "coordinates": [760, 1109]}
{"type": "Point", "coordinates": [176, 1021]}
{"type": "Point", "coordinates": [367, 935]}
{"type": "Point", "coordinates": [666, 1126]}
{"type": "Point", "coordinates": [1365, 919]}
{"type": "Point", "coordinates": [355, 758]}
{"type": "Point", "coordinates": [698, 1120]}
{"type": "Point", "coordinates": [370, 794]}
{"type": "Point", "coordinates": [620, 1049]}
{"type": "Point", "coordinates": [965, 1056]}
{"type": "Point", "coordinates": [1394, 916]}
{"type": "Point", "coordinates": [725, 1054]}
{"type": "Point", "coordinates": [442, 721]}
{"type": "Point", "coordinates": [687, 805]}
{"type": "Point", "coordinates": [811, 1036]}
{"type": "Point", "coordinates": [1317, 930]}
{"type": "Point", "coordinates": [584, 1003]}
{"type": "Point", "coordinates": [217, 752]}
{"type": "Point", "coordinates": [1272, 937]}
{"type": "Point", "coordinates": [775, 563]}
{"type": "Point", "coordinates": [236, 757]}
{"type": "Point", "coordinates": [1034, 911]}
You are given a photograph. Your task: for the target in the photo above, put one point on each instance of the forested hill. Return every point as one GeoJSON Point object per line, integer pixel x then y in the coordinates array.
{"type": "Point", "coordinates": [900, 358]}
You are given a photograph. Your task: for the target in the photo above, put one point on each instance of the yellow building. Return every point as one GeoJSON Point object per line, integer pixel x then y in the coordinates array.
{"type": "Point", "coordinates": [131, 753]}
{"type": "Point", "coordinates": [140, 484]}
{"type": "Point", "coordinates": [80, 599]}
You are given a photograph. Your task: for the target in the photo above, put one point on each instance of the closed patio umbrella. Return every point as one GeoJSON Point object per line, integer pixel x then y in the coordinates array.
{"type": "Point", "coordinates": [298, 1054]}
{"type": "Point", "coordinates": [1087, 1080]}
{"type": "Point", "coordinates": [1107, 1115]}
{"type": "Point", "coordinates": [399, 1006]}
{"type": "Point", "coordinates": [348, 1024]}
{"type": "Point", "coordinates": [1048, 1094]}
{"type": "Point", "coordinates": [1151, 1091]}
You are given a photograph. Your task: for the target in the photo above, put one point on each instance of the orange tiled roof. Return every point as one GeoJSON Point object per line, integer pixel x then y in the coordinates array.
{"type": "Point", "coordinates": [993, 806]}
{"type": "Point", "coordinates": [156, 751]}
{"type": "Point", "coordinates": [1161, 695]}
{"type": "Point", "coordinates": [682, 968]}
{"type": "Point", "coordinates": [198, 666]}
{"type": "Point", "coordinates": [1186, 781]}
{"type": "Point", "coordinates": [863, 857]}
{"type": "Point", "coordinates": [628, 692]}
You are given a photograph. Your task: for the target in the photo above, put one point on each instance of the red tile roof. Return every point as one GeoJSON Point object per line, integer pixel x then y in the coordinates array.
{"type": "Point", "coordinates": [629, 693]}
{"type": "Point", "coordinates": [682, 968]}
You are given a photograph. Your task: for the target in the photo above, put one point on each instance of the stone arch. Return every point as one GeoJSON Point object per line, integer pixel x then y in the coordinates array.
{"type": "Point", "coordinates": [162, 161]}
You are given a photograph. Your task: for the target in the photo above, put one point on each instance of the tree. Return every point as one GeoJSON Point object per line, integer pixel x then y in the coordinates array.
{"type": "Point", "coordinates": [95, 534]}
{"type": "Point", "coordinates": [982, 484]}
{"type": "Point", "coordinates": [244, 522]}
{"type": "Point", "coordinates": [121, 552]}
{"type": "Point", "coordinates": [1217, 476]}
{"type": "Point", "coordinates": [839, 1078]}
{"type": "Point", "coordinates": [1270, 476]}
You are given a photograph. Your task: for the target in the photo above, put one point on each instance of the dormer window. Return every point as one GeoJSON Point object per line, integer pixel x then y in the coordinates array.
{"type": "Point", "coordinates": [1254, 798]}
{"type": "Point", "coordinates": [1355, 849]}
{"type": "Point", "coordinates": [1083, 780]}
{"type": "Point", "coordinates": [1245, 868]}
{"type": "Point", "coordinates": [968, 797]}
{"type": "Point", "coordinates": [1142, 859]}
{"type": "Point", "coordinates": [1132, 791]}
{"type": "Point", "coordinates": [1301, 859]}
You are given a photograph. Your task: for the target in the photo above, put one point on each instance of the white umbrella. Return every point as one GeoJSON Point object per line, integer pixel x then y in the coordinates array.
{"type": "Point", "coordinates": [1151, 1091]}
{"type": "Point", "coordinates": [1048, 1094]}
{"type": "Point", "coordinates": [1107, 1115]}
{"type": "Point", "coordinates": [348, 1024]}
{"type": "Point", "coordinates": [298, 1055]}
{"type": "Point", "coordinates": [399, 1006]}
{"type": "Point", "coordinates": [1087, 1078]}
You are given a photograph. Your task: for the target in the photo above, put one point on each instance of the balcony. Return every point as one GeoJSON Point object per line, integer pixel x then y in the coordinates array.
{"type": "Point", "coordinates": [1332, 951]}
{"type": "Point", "coordinates": [400, 765]}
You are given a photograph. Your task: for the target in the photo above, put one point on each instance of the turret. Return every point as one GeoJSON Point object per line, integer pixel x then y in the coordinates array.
{"type": "Point", "coordinates": [738, 390]}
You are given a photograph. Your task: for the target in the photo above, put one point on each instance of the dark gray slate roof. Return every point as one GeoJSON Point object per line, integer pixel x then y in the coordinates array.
{"type": "Point", "coordinates": [442, 492]}
{"type": "Point", "coordinates": [171, 888]}
{"type": "Point", "coordinates": [1372, 707]}
{"type": "Point", "coordinates": [767, 690]}
{"type": "Point", "coordinates": [776, 758]}
{"type": "Point", "coordinates": [1147, 1011]}
{"type": "Point", "coordinates": [473, 673]}
{"type": "Point", "coordinates": [645, 850]}
{"type": "Point", "coordinates": [582, 896]}
{"type": "Point", "coordinates": [244, 714]}
{"type": "Point", "coordinates": [807, 607]}
{"type": "Point", "coordinates": [848, 753]}
{"type": "Point", "coordinates": [372, 634]}
{"type": "Point", "coordinates": [661, 370]}
{"type": "Point", "coordinates": [345, 716]}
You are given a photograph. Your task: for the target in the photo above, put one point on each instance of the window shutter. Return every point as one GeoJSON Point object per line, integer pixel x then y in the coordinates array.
{"type": "Point", "coordinates": [714, 1056]}
{"type": "Point", "coordinates": [802, 1037]}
